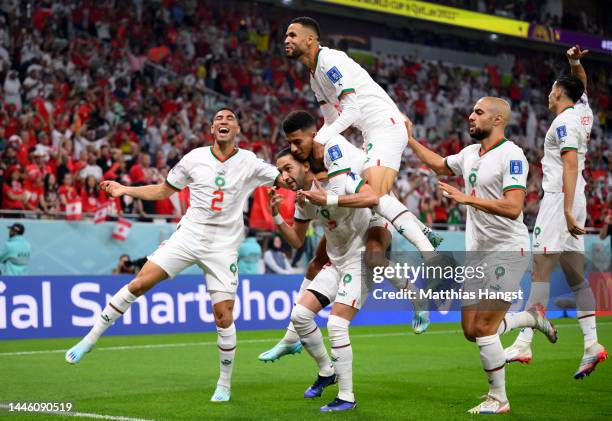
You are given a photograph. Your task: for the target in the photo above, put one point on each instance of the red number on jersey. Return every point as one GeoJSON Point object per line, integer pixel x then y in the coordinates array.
{"type": "Point", "coordinates": [217, 199]}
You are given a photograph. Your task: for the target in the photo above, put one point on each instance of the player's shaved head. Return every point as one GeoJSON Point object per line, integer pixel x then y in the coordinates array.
{"type": "Point", "coordinates": [497, 107]}
{"type": "Point", "coordinates": [490, 116]}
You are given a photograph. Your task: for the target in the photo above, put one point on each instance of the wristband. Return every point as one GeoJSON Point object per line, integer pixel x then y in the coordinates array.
{"type": "Point", "coordinates": [278, 219]}
{"type": "Point", "coordinates": [332, 200]}
{"type": "Point", "coordinates": [574, 62]}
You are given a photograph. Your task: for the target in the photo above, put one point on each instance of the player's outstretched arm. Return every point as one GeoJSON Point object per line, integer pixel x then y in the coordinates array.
{"type": "Point", "coordinates": [510, 206]}
{"type": "Point", "coordinates": [574, 55]}
{"type": "Point", "coordinates": [294, 235]}
{"type": "Point", "coordinates": [427, 156]}
{"type": "Point", "coordinates": [153, 192]}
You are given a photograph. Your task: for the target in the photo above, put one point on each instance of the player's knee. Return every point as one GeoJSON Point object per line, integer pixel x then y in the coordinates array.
{"type": "Point", "coordinates": [469, 334]}
{"type": "Point", "coordinates": [300, 315]}
{"type": "Point", "coordinates": [139, 285]}
{"type": "Point", "coordinates": [224, 318]}
{"type": "Point", "coordinates": [483, 327]}
{"type": "Point", "coordinates": [374, 258]}
{"type": "Point", "coordinates": [337, 329]}
{"type": "Point", "coordinates": [223, 314]}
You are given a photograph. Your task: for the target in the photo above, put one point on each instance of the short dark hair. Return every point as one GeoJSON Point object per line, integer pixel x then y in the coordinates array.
{"type": "Point", "coordinates": [298, 120]}
{"type": "Point", "coordinates": [283, 152]}
{"type": "Point", "coordinates": [309, 23]}
{"type": "Point", "coordinates": [225, 108]}
{"type": "Point", "coordinates": [572, 86]}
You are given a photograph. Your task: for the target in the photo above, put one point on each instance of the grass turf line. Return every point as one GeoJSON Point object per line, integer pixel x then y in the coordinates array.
{"type": "Point", "coordinates": [430, 376]}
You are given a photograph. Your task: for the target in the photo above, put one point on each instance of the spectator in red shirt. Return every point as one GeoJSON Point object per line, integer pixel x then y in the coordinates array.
{"type": "Point", "coordinates": [35, 195]}
{"type": "Point", "coordinates": [90, 195]}
{"type": "Point", "coordinates": [68, 192]}
{"type": "Point", "coordinates": [14, 193]}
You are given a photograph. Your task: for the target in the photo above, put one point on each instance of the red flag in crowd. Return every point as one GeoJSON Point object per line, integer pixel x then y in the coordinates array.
{"type": "Point", "coordinates": [74, 211]}
{"type": "Point", "coordinates": [122, 229]}
{"type": "Point", "coordinates": [101, 213]}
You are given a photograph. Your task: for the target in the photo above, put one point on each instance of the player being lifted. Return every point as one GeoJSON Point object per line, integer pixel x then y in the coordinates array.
{"type": "Point", "coordinates": [220, 178]}
{"type": "Point", "coordinates": [558, 231]}
{"type": "Point", "coordinates": [339, 83]}
{"type": "Point", "coordinates": [495, 175]}
{"type": "Point", "coordinates": [340, 159]}
{"type": "Point", "coordinates": [341, 281]}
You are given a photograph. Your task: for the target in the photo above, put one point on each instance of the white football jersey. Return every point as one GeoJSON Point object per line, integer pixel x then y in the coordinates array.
{"type": "Point", "coordinates": [570, 130]}
{"type": "Point", "coordinates": [336, 74]}
{"type": "Point", "coordinates": [345, 228]}
{"type": "Point", "coordinates": [341, 155]}
{"type": "Point", "coordinates": [218, 191]}
{"type": "Point", "coordinates": [488, 175]}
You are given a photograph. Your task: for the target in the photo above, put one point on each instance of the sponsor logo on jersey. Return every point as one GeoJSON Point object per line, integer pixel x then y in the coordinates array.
{"type": "Point", "coordinates": [334, 74]}
{"type": "Point", "coordinates": [334, 152]}
{"type": "Point", "coordinates": [516, 167]}
{"type": "Point", "coordinates": [561, 133]}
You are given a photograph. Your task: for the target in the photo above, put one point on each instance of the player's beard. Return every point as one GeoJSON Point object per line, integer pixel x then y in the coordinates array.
{"type": "Point", "coordinates": [294, 54]}
{"type": "Point", "coordinates": [480, 134]}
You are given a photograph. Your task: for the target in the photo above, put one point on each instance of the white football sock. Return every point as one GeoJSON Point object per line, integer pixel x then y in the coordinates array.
{"type": "Point", "coordinates": [226, 343]}
{"type": "Point", "coordinates": [585, 310]}
{"type": "Point", "coordinates": [539, 294]}
{"type": "Point", "coordinates": [342, 355]}
{"type": "Point", "coordinates": [115, 308]}
{"type": "Point", "coordinates": [291, 335]}
{"type": "Point", "coordinates": [516, 320]}
{"type": "Point", "coordinates": [494, 361]}
{"type": "Point", "coordinates": [311, 337]}
{"type": "Point", "coordinates": [404, 222]}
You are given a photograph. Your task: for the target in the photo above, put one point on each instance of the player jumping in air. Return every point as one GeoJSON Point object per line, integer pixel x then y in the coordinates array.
{"type": "Point", "coordinates": [220, 178]}
{"type": "Point", "coordinates": [341, 281]}
{"type": "Point", "coordinates": [339, 83]}
{"type": "Point", "coordinates": [558, 231]}
{"type": "Point", "coordinates": [340, 159]}
{"type": "Point", "coordinates": [495, 175]}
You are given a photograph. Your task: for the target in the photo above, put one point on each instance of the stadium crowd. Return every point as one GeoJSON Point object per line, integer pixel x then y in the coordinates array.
{"type": "Point", "coordinates": [92, 91]}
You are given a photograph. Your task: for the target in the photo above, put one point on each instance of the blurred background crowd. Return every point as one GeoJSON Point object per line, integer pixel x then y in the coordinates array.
{"type": "Point", "coordinates": [93, 91]}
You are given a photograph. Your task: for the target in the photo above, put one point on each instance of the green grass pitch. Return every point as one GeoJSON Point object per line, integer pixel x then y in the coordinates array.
{"type": "Point", "coordinates": [397, 375]}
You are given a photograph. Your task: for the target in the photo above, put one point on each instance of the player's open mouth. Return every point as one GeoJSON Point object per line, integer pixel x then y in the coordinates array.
{"type": "Point", "coordinates": [224, 130]}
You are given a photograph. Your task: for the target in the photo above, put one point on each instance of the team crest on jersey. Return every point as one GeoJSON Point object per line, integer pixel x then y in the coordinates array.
{"type": "Point", "coordinates": [561, 133]}
{"type": "Point", "coordinates": [334, 74]}
{"type": "Point", "coordinates": [334, 152]}
{"type": "Point", "coordinates": [516, 167]}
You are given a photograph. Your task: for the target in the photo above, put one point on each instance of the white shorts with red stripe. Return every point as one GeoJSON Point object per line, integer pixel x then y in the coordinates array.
{"type": "Point", "coordinates": [343, 284]}
{"type": "Point", "coordinates": [503, 272]}
{"type": "Point", "coordinates": [185, 248]}
{"type": "Point", "coordinates": [385, 144]}
{"type": "Point", "coordinates": [550, 234]}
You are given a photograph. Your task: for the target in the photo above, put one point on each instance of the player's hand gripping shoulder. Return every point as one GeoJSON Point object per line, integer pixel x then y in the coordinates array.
{"type": "Point", "coordinates": [316, 197]}
{"type": "Point", "coordinates": [113, 188]}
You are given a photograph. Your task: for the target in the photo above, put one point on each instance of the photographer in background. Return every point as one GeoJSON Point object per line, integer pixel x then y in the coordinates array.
{"type": "Point", "coordinates": [127, 266]}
